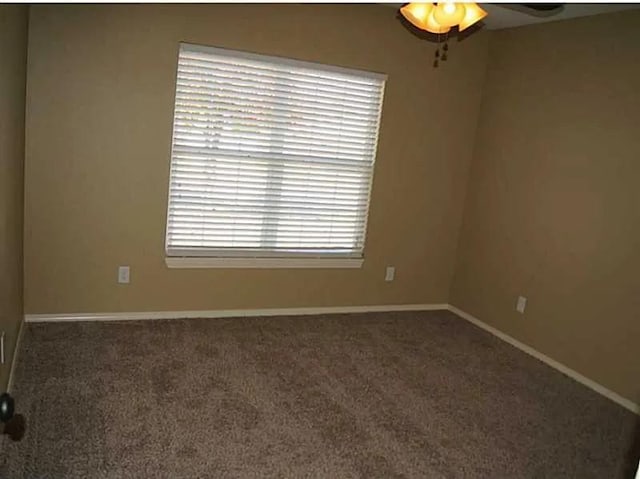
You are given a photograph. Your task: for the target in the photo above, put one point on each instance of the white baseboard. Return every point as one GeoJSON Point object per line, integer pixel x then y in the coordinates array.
{"type": "Point", "coordinates": [229, 313]}
{"type": "Point", "coordinates": [14, 360]}
{"type": "Point", "coordinates": [599, 388]}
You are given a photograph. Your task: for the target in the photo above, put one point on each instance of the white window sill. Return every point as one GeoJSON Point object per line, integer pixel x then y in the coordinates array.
{"type": "Point", "coordinates": [261, 263]}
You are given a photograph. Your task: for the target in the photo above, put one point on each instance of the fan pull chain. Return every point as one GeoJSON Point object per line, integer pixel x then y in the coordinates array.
{"type": "Point", "coordinates": [445, 48]}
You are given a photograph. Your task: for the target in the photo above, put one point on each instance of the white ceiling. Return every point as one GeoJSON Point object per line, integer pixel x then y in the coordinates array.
{"type": "Point", "coordinates": [506, 15]}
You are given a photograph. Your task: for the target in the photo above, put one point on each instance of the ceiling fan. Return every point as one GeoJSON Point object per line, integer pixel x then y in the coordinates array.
{"type": "Point", "coordinates": [438, 19]}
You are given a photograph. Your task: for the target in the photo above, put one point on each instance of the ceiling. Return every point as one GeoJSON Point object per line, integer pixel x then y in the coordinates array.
{"type": "Point", "coordinates": [506, 15]}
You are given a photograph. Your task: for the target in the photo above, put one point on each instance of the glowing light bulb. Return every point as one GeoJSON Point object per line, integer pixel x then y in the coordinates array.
{"type": "Point", "coordinates": [449, 14]}
{"type": "Point", "coordinates": [433, 26]}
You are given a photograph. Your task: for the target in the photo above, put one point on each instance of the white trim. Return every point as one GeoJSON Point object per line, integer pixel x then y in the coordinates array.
{"type": "Point", "coordinates": [14, 361]}
{"type": "Point", "coordinates": [228, 313]}
{"type": "Point", "coordinates": [615, 397]}
{"type": "Point", "coordinates": [204, 262]}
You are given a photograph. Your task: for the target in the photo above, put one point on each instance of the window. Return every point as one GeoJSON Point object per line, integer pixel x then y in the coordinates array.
{"type": "Point", "coordinates": [271, 158]}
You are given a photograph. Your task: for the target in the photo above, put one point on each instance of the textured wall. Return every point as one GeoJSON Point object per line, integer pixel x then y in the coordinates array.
{"type": "Point", "coordinates": [99, 117]}
{"type": "Point", "coordinates": [13, 60]}
{"type": "Point", "coordinates": [553, 206]}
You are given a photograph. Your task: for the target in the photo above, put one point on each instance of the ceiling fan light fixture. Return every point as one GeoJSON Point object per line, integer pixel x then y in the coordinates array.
{"type": "Point", "coordinates": [472, 14]}
{"type": "Point", "coordinates": [440, 18]}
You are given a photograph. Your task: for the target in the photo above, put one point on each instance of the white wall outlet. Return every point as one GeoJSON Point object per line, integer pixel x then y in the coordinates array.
{"type": "Point", "coordinates": [123, 275]}
{"type": "Point", "coordinates": [390, 273]}
{"type": "Point", "coordinates": [521, 304]}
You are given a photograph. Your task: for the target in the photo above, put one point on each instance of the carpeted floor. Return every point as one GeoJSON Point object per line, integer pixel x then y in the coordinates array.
{"type": "Point", "coordinates": [387, 395]}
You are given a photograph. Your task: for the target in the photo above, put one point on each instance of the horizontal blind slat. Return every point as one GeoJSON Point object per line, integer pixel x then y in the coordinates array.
{"type": "Point", "coordinates": [203, 100]}
{"type": "Point", "coordinates": [293, 134]}
{"type": "Point", "coordinates": [284, 157]}
{"type": "Point", "coordinates": [186, 171]}
{"type": "Point", "coordinates": [246, 178]}
{"type": "Point", "coordinates": [217, 63]}
{"type": "Point", "coordinates": [264, 142]}
{"type": "Point", "coordinates": [195, 79]}
{"type": "Point", "coordinates": [292, 199]}
{"type": "Point", "coordinates": [255, 115]}
{"type": "Point", "coordinates": [259, 213]}
{"type": "Point", "coordinates": [211, 162]}
{"type": "Point", "coordinates": [251, 241]}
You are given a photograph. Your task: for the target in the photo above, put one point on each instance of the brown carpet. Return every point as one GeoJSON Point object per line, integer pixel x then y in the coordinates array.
{"type": "Point", "coordinates": [387, 395]}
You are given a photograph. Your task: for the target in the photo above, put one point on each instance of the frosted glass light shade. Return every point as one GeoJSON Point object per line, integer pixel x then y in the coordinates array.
{"type": "Point", "coordinates": [417, 13]}
{"type": "Point", "coordinates": [449, 14]}
{"type": "Point", "coordinates": [433, 26]}
{"type": "Point", "coordinates": [472, 14]}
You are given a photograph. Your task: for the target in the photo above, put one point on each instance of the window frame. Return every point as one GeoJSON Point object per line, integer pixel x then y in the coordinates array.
{"type": "Point", "coordinates": [211, 258]}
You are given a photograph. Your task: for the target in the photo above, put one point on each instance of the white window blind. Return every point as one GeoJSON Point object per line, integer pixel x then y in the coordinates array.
{"type": "Point", "coordinates": [270, 157]}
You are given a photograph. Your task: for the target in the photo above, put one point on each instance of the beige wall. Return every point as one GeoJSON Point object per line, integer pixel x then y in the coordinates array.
{"type": "Point", "coordinates": [553, 206]}
{"type": "Point", "coordinates": [13, 60]}
{"type": "Point", "coordinates": [99, 114]}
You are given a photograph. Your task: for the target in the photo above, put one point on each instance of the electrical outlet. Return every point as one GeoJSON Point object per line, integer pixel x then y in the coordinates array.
{"type": "Point", "coordinates": [390, 273]}
{"type": "Point", "coordinates": [521, 304]}
{"type": "Point", "coordinates": [123, 275]}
